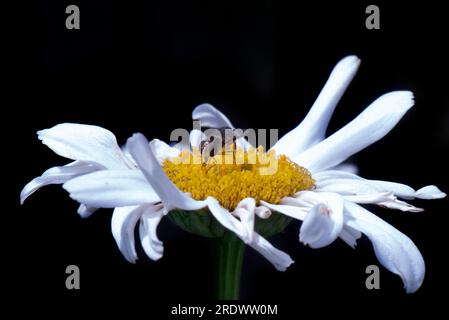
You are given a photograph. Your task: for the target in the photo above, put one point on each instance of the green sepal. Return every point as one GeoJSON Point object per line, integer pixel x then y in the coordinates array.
{"type": "Point", "coordinates": [275, 224]}
{"type": "Point", "coordinates": [203, 223]}
{"type": "Point", "coordinates": [200, 222]}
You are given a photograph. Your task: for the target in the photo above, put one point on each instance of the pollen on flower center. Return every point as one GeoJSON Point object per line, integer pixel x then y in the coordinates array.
{"type": "Point", "coordinates": [231, 177]}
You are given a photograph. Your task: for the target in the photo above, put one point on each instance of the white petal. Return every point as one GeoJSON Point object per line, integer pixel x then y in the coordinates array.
{"type": "Point", "coordinates": [370, 126]}
{"type": "Point", "coordinates": [359, 190]}
{"type": "Point", "coordinates": [288, 210]}
{"type": "Point", "coordinates": [311, 198]}
{"type": "Point", "coordinates": [278, 258]}
{"type": "Point", "coordinates": [356, 234]}
{"type": "Point", "coordinates": [227, 220]}
{"type": "Point", "coordinates": [313, 128]}
{"type": "Point", "coordinates": [128, 156]}
{"type": "Point", "coordinates": [430, 192]}
{"type": "Point", "coordinates": [163, 151]}
{"type": "Point", "coordinates": [111, 188]}
{"type": "Point", "coordinates": [393, 249]}
{"type": "Point", "coordinates": [149, 221]}
{"type": "Point", "coordinates": [123, 222]}
{"type": "Point", "coordinates": [347, 186]}
{"type": "Point", "coordinates": [324, 222]}
{"type": "Point", "coordinates": [404, 191]}
{"type": "Point", "coordinates": [169, 194]}
{"type": "Point", "coordinates": [350, 236]}
{"type": "Point", "coordinates": [304, 204]}
{"type": "Point", "coordinates": [399, 205]}
{"type": "Point", "coordinates": [57, 175]}
{"type": "Point", "coordinates": [315, 225]}
{"type": "Point", "coordinates": [245, 211]}
{"type": "Point", "coordinates": [399, 189]}
{"type": "Point", "coordinates": [347, 167]}
{"type": "Point", "coordinates": [85, 211]}
{"type": "Point", "coordinates": [84, 142]}
{"type": "Point", "coordinates": [262, 212]}
{"type": "Point", "coordinates": [371, 198]}
{"type": "Point", "coordinates": [210, 117]}
{"type": "Point", "coordinates": [334, 174]}
{"type": "Point", "coordinates": [350, 184]}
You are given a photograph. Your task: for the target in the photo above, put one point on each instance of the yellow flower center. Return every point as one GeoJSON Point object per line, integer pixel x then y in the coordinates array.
{"type": "Point", "coordinates": [232, 176]}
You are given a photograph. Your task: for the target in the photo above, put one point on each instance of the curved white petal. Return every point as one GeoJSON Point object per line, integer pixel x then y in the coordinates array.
{"type": "Point", "coordinates": [169, 194]}
{"type": "Point", "coordinates": [360, 190]}
{"type": "Point", "coordinates": [399, 205]}
{"type": "Point", "coordinates": [127, 155]}
{"type": "Point", "coordinates": [347, 167]}
{"type": "Point", "coordinates": [304, 204]}
{"type": "Point", "coordinates": [227, 220]}
{"type": "Point", "coordinates": [262, 212]}
{"type": "Point", "coordinates": [335, 174]}
{"type": "Point", "coordinates": [163, 151]}
{"type": "Point", "coordinates": [371, 198]}
{"type": "Point", "coordinates": [350, 236]}
{"type": "Point", "coordinates": [324, 222]}
{"type": "Point", "coordinates": [356, 189]}
{"type": "Point", "coordinates": [111, 188]}
{"type": "Point", "coordinates": [278, 258]}
{"type": "Point", "coordinates": [213, 118]}
{"type": "Point", "coordinates": [310, 198]}
{"type": "Point", "coordinates": [370, 126]}
{"type": "Point", "coordinates": [85, 211]}
{"type": "Point", "coordinates": [149, 221]}
{"type": "Point", "coordinates": [393, 249]}
{"type": "Point", "coordinates": [210, 116]}
{"type": "Point", "coordinates": [294, 212]}
{"type": "Point", "coordinates": [347, 187]}
{"type": "Point", "coordinates": [245, 211]}
{"type": "Point", "coordinates": [123, 222]}
{"type": "Point", "coordinates": [313, 128]}
{"type": "Point", "coordinates": [406, 192]}
{"type": "Point", "coordinates": [85, 142]}
{"type": "Point", "coordinates": [57, 175]}
{"type": "Point", "coordinates": [401, 190]}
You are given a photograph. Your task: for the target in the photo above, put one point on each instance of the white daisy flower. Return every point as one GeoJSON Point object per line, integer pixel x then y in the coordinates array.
{"type": "Point", "coordinates": [310, 184]}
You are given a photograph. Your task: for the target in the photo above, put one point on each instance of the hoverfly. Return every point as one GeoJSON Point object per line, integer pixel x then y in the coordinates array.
{"type": "Point", "coordinates": [218, 140]}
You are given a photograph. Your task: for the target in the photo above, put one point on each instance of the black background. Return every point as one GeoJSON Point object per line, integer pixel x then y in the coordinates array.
{"type": "Point", "coordinates": [143, 67]}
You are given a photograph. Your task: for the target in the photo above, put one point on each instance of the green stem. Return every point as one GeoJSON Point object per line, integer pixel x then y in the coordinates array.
{"type": "Point", "coordinates": [230, 259]}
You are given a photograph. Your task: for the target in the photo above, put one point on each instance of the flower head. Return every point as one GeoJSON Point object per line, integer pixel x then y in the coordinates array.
{"type": "Point", "coordinates": [231, 181]}
{"type": "Point", "coordinates": [146, 180]}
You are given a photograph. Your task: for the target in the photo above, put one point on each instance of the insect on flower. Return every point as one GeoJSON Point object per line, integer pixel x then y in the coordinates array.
{"type": "Point", "coordinates": [219, 141]}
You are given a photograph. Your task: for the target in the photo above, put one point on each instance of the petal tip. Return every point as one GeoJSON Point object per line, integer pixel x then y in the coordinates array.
{"type": "Point", "coordinates": [404, 99]}
{"type": "Point", "coordinates": [351, 60]}
{"type": "Point", "coordinates": [23, 196]}
{"type": "Point", "coordinates": [42, 135]}
{"type": "Point", "coordinates": [133, 261]}
{"type": "Point", "coordinates": [136, 137]}
{"type": "Point", "coordinates": [286, 266]}
{"type": "Point", "coordinates": [200, 108]}
{"type": "Point", "coordinates": [349, 64]}
{"type": "Point", "coordinates": [430, 193]}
